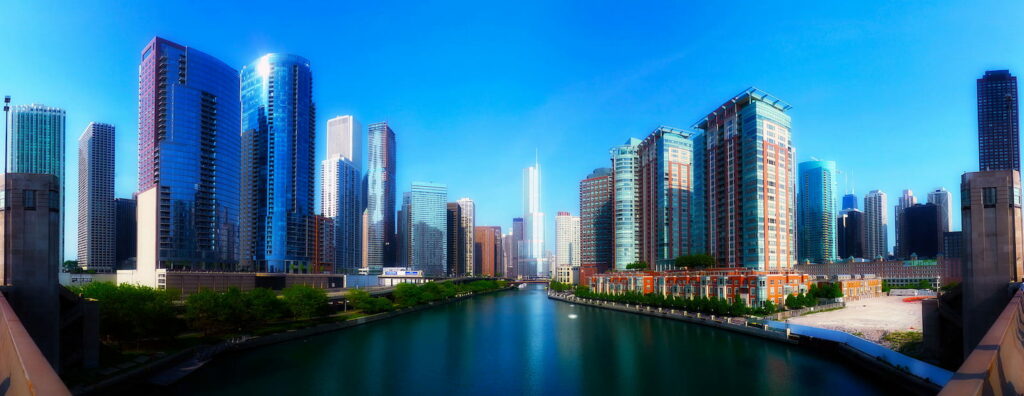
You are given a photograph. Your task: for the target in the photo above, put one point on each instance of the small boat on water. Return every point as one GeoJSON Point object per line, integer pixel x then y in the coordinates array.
{"type": "Point", "coordinates": [522, 285]}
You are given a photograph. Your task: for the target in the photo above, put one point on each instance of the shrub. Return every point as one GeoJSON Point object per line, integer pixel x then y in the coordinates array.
{"type": "Point", "coordinates": [305, 302]}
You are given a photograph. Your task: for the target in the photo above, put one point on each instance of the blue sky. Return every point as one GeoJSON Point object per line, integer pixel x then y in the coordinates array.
{"type": "Point", "coordinates": [886, 89]}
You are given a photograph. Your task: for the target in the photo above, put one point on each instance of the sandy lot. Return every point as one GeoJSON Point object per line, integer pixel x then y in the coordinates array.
{"type": "Point", "coordinates": [872, 317]}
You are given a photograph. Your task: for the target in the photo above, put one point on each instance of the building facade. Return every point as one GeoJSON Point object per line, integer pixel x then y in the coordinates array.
{"type": "Point", "coordinates": [597, 222]}
{"type": "Point", "coordinates": [341, 191]}
{"type": "Point", "coordinates": [531, 255]}
{"type": "Point", "coordinates": [96, 212]}
{"type": "Point", "coordinates": [427, 233]}
{"type": "Point", "coordinates": [456, 241]}
{"type": "Point", "coordinates": [488, 250]}
{"type": "Point", "coordinates": [467, 221]}
{"type": "Point", "coordinates": [626, 202]}
{"type": "Point", "coordinates": [278, 163]}
{"type": "Point", "coordinates": [998, 122]}
{"type": "Point", "coordinates": [189, 152]}
{"type": "Point", "coordinates": [749, 212]}
{"type": "Point", "coordinates": [665, 181]}
{"type": "Point", "coordinates": [750, 286]}
{"type": "Point", "coordinates": [320, 248]}
{"type": "Point", "coordinates": [849, 201]}
{"type": "Point", "coordinates": [380, 195]}
{"type": "Point", "coordinates": [876, 225]}
{"type": "Point", "coordinates": [906, 200]}
{"type": "Point", "coordinates": [125, 233]}
{"type": "Point", "coordinates": [850, 234]}
{"type": "Point", "coordinates": [518, 246]}
{"type": "Point", "coordinates": [922, 234]}
{"type": "Point", "coordinates": [567, 240]}
{"type": "Point", "coordinates": [816, 214]}
{"type": "Point", "coordinates": [943, 199]}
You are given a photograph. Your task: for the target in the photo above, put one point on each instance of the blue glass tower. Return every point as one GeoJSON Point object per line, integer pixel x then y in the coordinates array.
{"type": "Point", "coordinates": [278, 163]}
{"type": "Point", "coordinates": [189, 151]}
{"type": "Point", "coordinates": [816, 212]}
{"type": "Point", "coordinates": [427, 228]}
{"type": "Point", "coordinates": [849, 201]}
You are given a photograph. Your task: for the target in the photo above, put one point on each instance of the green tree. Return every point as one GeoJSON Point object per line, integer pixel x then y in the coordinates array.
{"type": "Point", "coordinates": [132, 313]}
{"type": "Point", "coordinates": [695, 261]}
{"type": "Point", "coordinates": [407, 294]}
{"type": "Point", "coordinates": [264, 306]}
{"type": "Point", "coordinates": [305, 302]}
{"type": "Point", "coordinates": [637, 265]}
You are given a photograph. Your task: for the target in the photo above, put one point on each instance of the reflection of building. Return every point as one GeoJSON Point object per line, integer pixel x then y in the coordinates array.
{"type": "Point", "coordinates": [876, 225]}
{"type": "Point", "coordinates": [749, 209]}
{"type": "Point", "coordinates": [96, 213]}
{"type": "Point", "coordinates": [816, 209]}
{"type": "Point", "coordinates": [278, 162]}
{"type": "Point", "coordinates": [426, 236]}
{"type": "Point", "coordinates": [189, 148]}
{"type": "Point", "coordinates": [597, 222]}
{"type": "Point", "coordinates": [750, 286]}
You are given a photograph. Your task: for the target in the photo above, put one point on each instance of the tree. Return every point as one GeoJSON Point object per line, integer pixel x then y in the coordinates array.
{"type": "Point", "coordinates": [304, 301]}
{"type": "Point", "coordinates": [695, 261]}
{"type": "Point", "coordinates": [637, 265]}
{"type": "Point", "coordinates": [132, 313]}
{"type": "Point", "coordinates": [264, 306]}
{"type": "Point", "coordinates": [407, 294]}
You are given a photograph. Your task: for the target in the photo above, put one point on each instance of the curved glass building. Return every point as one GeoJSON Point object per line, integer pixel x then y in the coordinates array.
{"type": "Point", "coordinates": [816, 216]}
{"type": "Point", "coordinates": [278, 163]}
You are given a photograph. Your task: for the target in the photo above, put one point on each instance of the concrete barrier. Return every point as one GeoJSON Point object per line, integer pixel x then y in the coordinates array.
{"type": "Point", "coordinates": [996, 366]}
{"type": "Point", "coordinates": [23, 368]}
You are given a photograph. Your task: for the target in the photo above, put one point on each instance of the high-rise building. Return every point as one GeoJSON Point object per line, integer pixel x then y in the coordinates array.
{"type": "Point", "coordinates": [922, 235]}
{"type": "Point", "coordinates": [998, 122]}
{"type": "Point", "coordinates": [665, 181]}
{"type": "Point", "coordinates": [36, 145]}
{"type": "Point", "coordinates": [850, 234]}
{"type": "Point", "coordinates": [626, 202]}
{"type": "Point", "coordinates": [320, 248]}
{"type": "Point", "coordinates": [876, 225]}
{"type": "Point", "coordinates": [906, 200]}
{"type": "Point", "coordinates": [953, 244]}
{"type": "Point", "coordinates": [518, 247]}
{"type": "Point", "coordinates": [125, 233]}
{"type": "Point", "coordinates": [567, 240]}
{"type": "Point", "coordinates": [456, 241]}
{"type": "Point", "coordinates": [341, 191]}
{"type": "Point", "coordinates": [849, 201]}
{"type": "Point", "coordinates": [749, 209]}
{"type": "Point", "coordinates": [278, 163]}
{"type": "Point", "coordinates": [468, 221]}
{"type": "Point", "coordinates": [400, 245]}
{"type": "Point", "coordinates": [597, 223]}
{"type": "Point", "coordinates": [426, 235]}
{"type": "Point", "coordinates": [816, 214]}
{"type": "Point", "coordinates": [487, 246]}
{"type": "Point", "coordinates": [993, 256]}
{"type": "Point", "coordinates": [189, 150]}
{"type": "Point", "coordinates": [531, 258]}
{"type": "Point", "coordinates": [380, 195]}
{"type": "Point", "coordinates": [943, 199]}
{"type": "Point", "coordinates": [96, 213]}
{"type": "Point", "coordinates": [507, 263]}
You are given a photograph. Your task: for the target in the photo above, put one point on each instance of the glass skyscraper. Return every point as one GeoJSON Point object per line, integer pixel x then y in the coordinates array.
{"type": "Point", "coordinates": [189, 151]}
{"type": "Point", "coordinates": [626, 201]}
{"type": "Point", "coordinates": [998, 122]}
{"type": "Point", "coordinates": [427, 237]}
{"type": "Point", "coordinates": [816, 217]}
{"type": "Point", "coordinates": [278, 163]}
{"type": "Point", "coordinates": [850, 201]}
{"type": "Point", "coordinates": [531, 256]}
{"type": "Point", "coordinates": [665, 181]}
{"type": "Point", "coordinates": [380, 196]}
{"type": "Point", "coordinates": [96, 213]}
{"type": "Point", "coordinates": [36, 145]}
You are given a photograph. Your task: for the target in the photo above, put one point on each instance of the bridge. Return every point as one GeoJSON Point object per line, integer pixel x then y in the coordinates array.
{"type": "Point", "coordinates": [521, 281]}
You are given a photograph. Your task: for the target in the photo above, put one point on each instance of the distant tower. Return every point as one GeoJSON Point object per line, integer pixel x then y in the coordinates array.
{"type": "Point", "coordinates": [456, 254]}
{"type": "Point", "coordinates": [943, 199]}
{"type": "Point", "coordinates": [850, 201]}
{"type": "Point", "coordinates": [850, 234]}
{"type": "Point", "coordinates": [96, 213]}
{"type": "Point", "coordinates": [998, 122]}
{"type": "Point", "coordinates": [816, 215]}
{"type": "Point", "coordinates": [341, 191]}
{"type": "Point", "coordinates": [906, 200]}
{"type": "Point", "coordinates": [532, 259]}
{"type": "Point", "coordinates": [567, 241]}
{"type": "Point", "coordinates": [876, 225]}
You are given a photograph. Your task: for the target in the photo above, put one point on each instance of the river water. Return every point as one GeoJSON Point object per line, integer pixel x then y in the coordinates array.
{"type": "Point", "coordinates": [520, 342]}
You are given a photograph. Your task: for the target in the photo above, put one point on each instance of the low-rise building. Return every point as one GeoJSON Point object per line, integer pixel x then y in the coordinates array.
{"type": "Point", "coordinates": [854, 287]}
{"type": "Point", "coordinates": [750, 286]}
{"type": "Point", "coordinates": [391, 276]}
{"type": "Point", "coordinates": [894, 272]}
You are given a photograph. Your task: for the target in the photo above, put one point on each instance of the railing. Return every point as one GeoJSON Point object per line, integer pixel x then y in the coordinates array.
{"type": "Point", "coordinates": [23, 368]}
{"type": "Point", "coordinates": [996, 366]}
{"type": "Point", "coordinates": [933, 374]}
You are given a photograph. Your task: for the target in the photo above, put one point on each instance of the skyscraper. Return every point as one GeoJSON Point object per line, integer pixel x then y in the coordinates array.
{"type": "Point", "coordinates": [518, 246]}
{"type": "Point", "coordinates": [943, 199]}
{"type": "Point", "coordinates": [507, 263]}
{"type": "Point", "coordinates": [96, 213]}
{"type": "Point", "coordinates": [597, 223]}
{"type": "Point", "coordinates": [849, 201]}
{"type": "Point", "coordinates": [125, 233]}
{"type": "Point", "coordinates": [427, 228]}
{"type": "Point", "coordinates": [567, 240]}
{"type": "Point", "coordinates": [456, 241]}
{"type": "Point", "coordinates": [189, 148]}
{"type": "Point", "coordinates": [876, 225]}
{"type": "Point", "coordinates": [467, 215]}
{"type": "Point", "coordinates": [850, 235]}
{"type": "Point", "coordinates": [487, 246]}
{"type": "Point", "coordinates": [532, 256]}
{"type": "Point", "coordinates": [36, 145]}
{"type": "Point", "coordinates": [922, 235]}
{"type": "Point", "coordinates": [380, 195]}
{"type": "Point", "coordinates": [816, 215]}
{"type": "Point", "coordinates": [278, 162]}
{"type": "Point", "coordinates": [626, 202]}
{"type": "Point", "coordinates": [341, 178]}
{"type": "Point", "coordinates": [906, 200]}
{"type": "Point", "coordinates": [998, 122]}
{"type": "Point", "coordinates": [749, 212]}
{"type": "Point", "coordinates": [665, 181]}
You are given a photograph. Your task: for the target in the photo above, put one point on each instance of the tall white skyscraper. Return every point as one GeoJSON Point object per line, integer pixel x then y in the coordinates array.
{"type": "Point", "coordinates": [906, 200]}
{"type": "Point", "coordinates": [942, 198]}
{"type": "Point", "coordinates": [341, 186]}
{"type": "Point", "coordinates": [532, 252]}
{"type": "Point", "coordinates": [876, 228]}
{"type": "Point", "coordinates": [96, 198]}
{"type": "Point", "coordinates": [567, 240]}
{"type": "Point", "coordinates": [468, 222]}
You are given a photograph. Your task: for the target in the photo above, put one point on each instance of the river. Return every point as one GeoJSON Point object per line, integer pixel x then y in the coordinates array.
{"type": "Point", "coordinates": [520, 342]}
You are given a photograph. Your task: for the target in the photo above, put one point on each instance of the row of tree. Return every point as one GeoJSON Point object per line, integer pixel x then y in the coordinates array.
{"type": "Point", "coordinates": [690, 261]}
{"type": "Point", "coordinates": [407, 294]}
{"type": "Point", "coordinates": [712, 305]}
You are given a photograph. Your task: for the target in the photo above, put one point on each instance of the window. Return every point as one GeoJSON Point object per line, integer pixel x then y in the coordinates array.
{"type": "Point", "coordinates": [29, 199]}
{"type": "Point", "coordinates": [988, 196]}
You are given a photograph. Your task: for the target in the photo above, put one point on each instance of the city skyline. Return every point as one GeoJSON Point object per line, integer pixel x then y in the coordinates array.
{"type": "Point", "coordinates": [578, 101]}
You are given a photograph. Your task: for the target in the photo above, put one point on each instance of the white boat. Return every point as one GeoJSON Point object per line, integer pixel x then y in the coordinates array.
{"type": "Point", "coordinates": [522, 285]}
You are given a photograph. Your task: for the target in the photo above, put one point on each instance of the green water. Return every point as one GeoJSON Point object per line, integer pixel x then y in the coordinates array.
{"type": "Point", "coordinates": [520, 342]}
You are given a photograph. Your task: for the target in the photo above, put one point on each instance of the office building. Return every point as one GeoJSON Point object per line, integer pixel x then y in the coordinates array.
{"type": "Point", "coordinates": [518, 246]}
{"type": "Point", "coordinates": [567, 240]}
{"type": "Point", "coordinates": [487, 246]}
{"type": "Point", "coordinates": [816, 212]}
{"type": "Point", "coordinates": [426, 231]}
{"type": "Point", "coordinates": [124, 232]}
{"type": "Point", "coordinates": [189, 153]}
{"type": "Point", "coordinates": [943, 199]}
{"type": "Point", "coordinates": [876, 225]}
{"type": "Point", "coordinates": [531, 256]}
{"type": "Point", "coordinates": [341, 191]}
{"type": "Point", "coordinates": [906, 200]}
{"type": "Point", "coordinates": [922, 235]}
{"type": "Point", "coordinates": [992, 257]}
{"type": "Point", "coordinates": [320, 248]}
{"type": "Point", "coordinates": [998, 122]}
{"type": "Point", "coordinates": [345, 139]}
{"type": "Point", "coordinates": [456, 241]}
{"type": "Point", "coordinates": [849, 201]}
{"type": "Point", "coordinates": [278, 163]}
{"type": "Point", "coordinates": [36, 142]}
{"type": "Point", "coordinates": [468, 221]}
{"type": "Point", "coordinates": [626, 202]}
{"type": "Point", "coordinates": [749, 209]}
{"type": "Point", "coordinates": [953, 244]}
{"type": "Point", "coordinates": [400, 244]}
{"type": "Point", "coordinates": [850, 234]}
{"type": "Point", "coordinates": [597, 223]}
{"type": "Point", "coordinates": [96, 213]}
{"type": "Point", "coordinates": [380, 195]}
{"type": "Point", "coordinates": [665, 181]}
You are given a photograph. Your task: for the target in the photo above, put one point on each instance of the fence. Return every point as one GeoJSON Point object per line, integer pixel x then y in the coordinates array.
{"type": "Point", "coordinates": [797, 312]}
